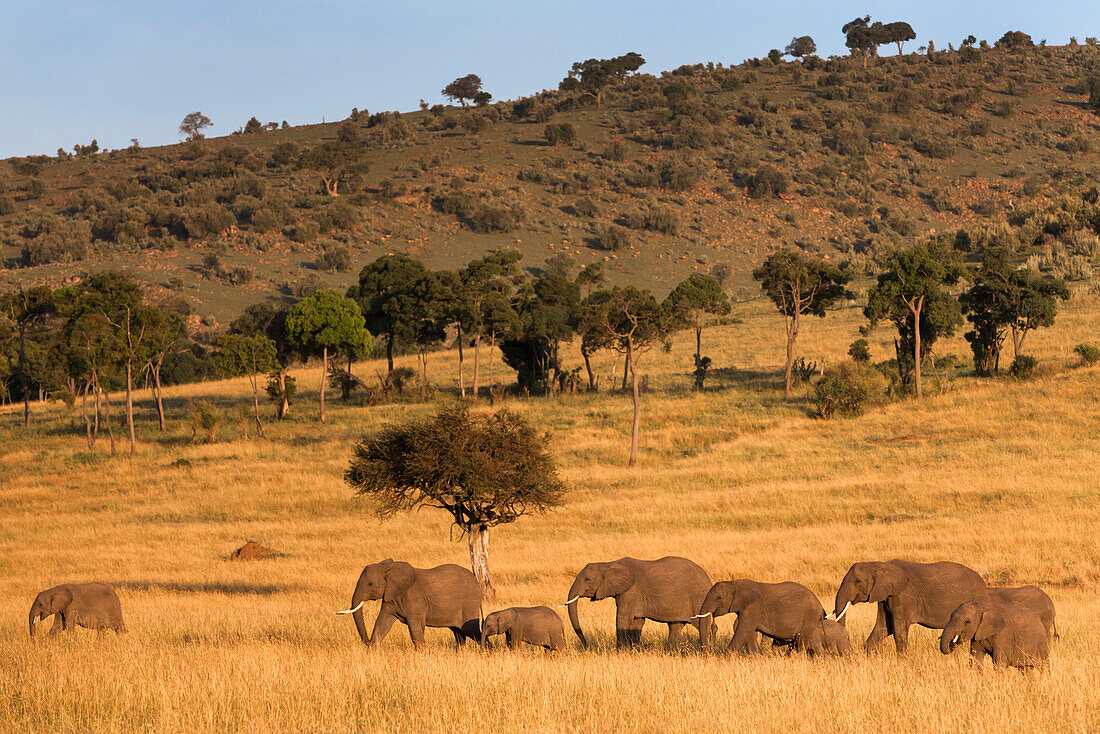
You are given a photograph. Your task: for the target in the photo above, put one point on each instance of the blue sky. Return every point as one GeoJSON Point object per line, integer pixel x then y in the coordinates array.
{"type": "Point", "coordinates": [74, 71]}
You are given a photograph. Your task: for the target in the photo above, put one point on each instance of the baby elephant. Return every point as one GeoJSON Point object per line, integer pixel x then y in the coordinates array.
{"type": "Point", "coordinates": [836, 639]}
{"type": "Point", "coordinates": [94, 606]}
{"type": "Point", "coordinates": [1011, 634]}
{"type": "Point", "coordinates": [533, 625]}
{"type": "Point", "coordinates": [784, 611]}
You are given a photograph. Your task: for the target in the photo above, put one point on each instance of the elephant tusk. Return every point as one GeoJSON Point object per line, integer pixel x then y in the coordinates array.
{"type": "Point", "coordinates": [578, 596]}
{"type": "Point", "coordinates": [955, 641]}
{"type": "Point", "coordinates": [843, 611]}
{"type": "Point", "coordinates": [700, 616]}
{"type": "Point", "coordinates": [356, 608]}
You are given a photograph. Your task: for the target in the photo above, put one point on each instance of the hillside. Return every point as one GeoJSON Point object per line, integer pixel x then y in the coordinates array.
{"type": "Point", "coordinates": [998, 474]}
{"type": "Point", "coordinates": [699, 167]}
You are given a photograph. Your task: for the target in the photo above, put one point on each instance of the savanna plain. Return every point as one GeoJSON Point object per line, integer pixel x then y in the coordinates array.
{"type": "Point", "coordinates": [997, 474]}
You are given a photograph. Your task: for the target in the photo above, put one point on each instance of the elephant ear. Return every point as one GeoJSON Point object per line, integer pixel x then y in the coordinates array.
{"type": "Point", "coordinates": [62, 597]}
{"type": "Point", "coordinates": [616, 580]}
{"type": "Point", "coordinates": [743, 594]}
{"type": "Point", "coordinates": [992, 622]}
{"type": "Point", "coordinates": [508, 619]}
{"type": "Point", "coordinates": [399, 579]}
{"type": "Point", "coordinates": [886, 581]}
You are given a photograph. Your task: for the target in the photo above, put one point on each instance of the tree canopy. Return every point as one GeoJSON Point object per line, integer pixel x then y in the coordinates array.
{"type": "Point", "coordinates": [801, 46]}
{"type": "Point", "coordinates": [464, 89]}
{"type": "Point", "coordinates": [193, 125]}
{"type": "Point", "coordinates": [591, 77]}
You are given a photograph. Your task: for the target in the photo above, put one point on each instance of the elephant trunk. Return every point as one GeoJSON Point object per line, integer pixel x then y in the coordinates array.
{"type": "Point", "coordinates": [843, 602]}
{"type": "Point", "coordinates": [705, 631]}
{"type": "Point", "coordinates": [31, 621]}
{"type": "Point", "coordinates": [357, 602]}
{"type": "Point", "coordinates": [574, 619]}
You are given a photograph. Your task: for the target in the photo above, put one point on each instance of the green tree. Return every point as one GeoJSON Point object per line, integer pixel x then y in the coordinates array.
{"type": "Point", "coordinates": [696, 300]}
{"type": "Point", "coordinates": [166, 334]}
{"type": "Point", "coordinates": [485, 309]}
{"type": "Point", "coordinates": [483, 472]}
{"type": "Point", "coordinates": [546, 309]}
{"type": "Point", "coordinates": [590, 78]}
{"type": "Point", "coordinates": [326, 321]}
{"type": "Point", "coordinates": [385, 296]}
{"type": "Point", "coordinates": [912, 294]}
{"type": "Point", "coordinates": [864, 37]}
{"type": "Point", "coordinates": [801, 46]}
{"type": "Point", "coordinates": [193, 125]}
{"type": "Point", "coordinates": [799, 285]}
{"type": "Point", "coordinates": [463, 89]}
{"type": "Point", "coordinates": [25, 312]}
{"type": "Point", "coordinates": [898, 33]}
{"type": "Point", "coordinates": [633, 323]}
{"type": "Point", "coordinates": [239, 354]}
{"type": "Point", "coordinates": [270, 321]}
{"type": "Point", "coordinates": [338, 163]}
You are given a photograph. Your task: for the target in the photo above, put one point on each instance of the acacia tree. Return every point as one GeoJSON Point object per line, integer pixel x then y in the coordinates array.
{"type": "Point", "coordinates": [270, 321]}
{"type": "Point", "coordinates": [590, 78]}
{"type": "Point", "coordinates": [911, 294]}
{"type": "Point", "coordinates": [338, 163]}
{"type": "Point", "coordinates": [488, 282]}
{"type": "Point", "coordinates": [898, 33]}
{"type": "Point", "coordinates": [483, 471]}
{"type": "Point", "coordinates": [798, 284]}
{"type": "Point", "coordinates": [385, 296]}
{"type": "Point", "coordinates": [326, 321]}
{"type": "Point", "coordinates": [546, 309]}
{"type": "Point", "coordinates": [632, 323]}
{"type": "Point", "coordinates": [801, 46]}
{"type": "Point", "coordinates": [165, 334]}
{"type": "Point", "coordinates": [864, 37]}
{"type": "Point", "coordinates": [193, 125]}
{"type": "Point", "coordinates": [694, 301]}
{"type": "Point", "coordinates": [26, 311]}
{"type": "Point", "coordinates": [240, 354]}
{"type": "Point", "coordinates": [463, 89]}
{"type": "Point", "coordinates": [1004, 299]}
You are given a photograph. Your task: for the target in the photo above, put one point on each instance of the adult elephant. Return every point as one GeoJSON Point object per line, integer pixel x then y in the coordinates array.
{"type": "Point", "coordinates": [785, 611]}
{"type": "Point", "coordinates": [668, 590]}
{"type": "Point", "coordinates": [92, 605]}
{"type": "Point", "coordinates": [908, 593]}
{"type": "Point", "coordinates": [1031, 597]}
{"type": "Point", "coordinates": [445, 596]}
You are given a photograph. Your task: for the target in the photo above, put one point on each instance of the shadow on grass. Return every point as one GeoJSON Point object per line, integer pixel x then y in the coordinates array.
{"type": "Point", "coordinates": [231, 588]}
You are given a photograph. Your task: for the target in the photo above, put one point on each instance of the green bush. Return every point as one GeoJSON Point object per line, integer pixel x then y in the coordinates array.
{"type": "Point", "coordinates": [613, 238]}
{"type": "Point", "coordinates": [1023, 367]}
{"type": "Point", "coordinates": [860, 351]}
{"type": "Point", "coordinates": [768, 181]}
{"type": "Point", "coordinates": [562, 132]}
{"type": "Point", "coordinates": [848, 389]}
{"type": "Point", "coordinates": [1088, 353]}
{"type": "Point", "coordinates": [204, 416]}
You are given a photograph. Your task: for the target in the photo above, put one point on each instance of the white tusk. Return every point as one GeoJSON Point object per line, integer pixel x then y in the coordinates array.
{"type": "Point", "coordinates": [843, 611]}
{"type": "Point", "coordinates": [955, 641]}
{"type": "Point", "coordinates": [569, 602]}
{"type": "Point", "coordinates": [353, 609]}
{"type": "Point", "coordinates": [700, 616]}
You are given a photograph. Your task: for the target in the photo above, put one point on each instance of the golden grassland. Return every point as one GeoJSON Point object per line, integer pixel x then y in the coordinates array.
{"type": "Point", "coordinates": [998, 474]}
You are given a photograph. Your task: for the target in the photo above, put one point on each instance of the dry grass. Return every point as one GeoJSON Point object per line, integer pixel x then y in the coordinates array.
{"type": "Point", "coordinates": [999, 475]}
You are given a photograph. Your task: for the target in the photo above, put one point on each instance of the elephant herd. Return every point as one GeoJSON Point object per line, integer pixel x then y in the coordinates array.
{"type": "Point", "coordinates": [1013, 626]}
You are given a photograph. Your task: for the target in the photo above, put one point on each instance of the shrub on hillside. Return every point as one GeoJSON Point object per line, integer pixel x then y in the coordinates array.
{"type": "Point", "coordinates": [848, 389]}
{"type": "Point", "coordinates": [613, 238]}
{"type": "Point", "coordinates": [767, 181]}
{"type": "Point", "coordinates": [933, 147]}
{"type": "Point", "coordinates": [1023, 367]}
{"type": "Point", "coordinates": [561, 132]}
{"type": "Point", "coordinates": [860, 351]}
{"type": "Point", "coordinates": [1089, 354]}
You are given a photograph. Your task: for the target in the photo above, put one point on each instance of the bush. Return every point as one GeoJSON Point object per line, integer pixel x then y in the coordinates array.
{"type": "Point", "coordinates": [768, 181]}
{"type": "Point", "coordinates": [848, 389]}
{"type": "Point", "coordinates": [933, 147]}
{"type": "Point", "coordinates": [204, 416]}
{"type": "Point", "coordinates": [615, 151]}
{"type": "Point", "coordinates": [335, 259]}
{"type": "Point", "coordinates": [563, 132]}
{"type": "Point", "coordinates": [613, 238]}
{"type": "Point", "coordinates": [860, 351]}
{"type": "Point", "coordinates": [1023, 367]}
{"type": "Point", "coordinates": [1088, 353]}
{"type": "Point", "coordinates": [7, 206]}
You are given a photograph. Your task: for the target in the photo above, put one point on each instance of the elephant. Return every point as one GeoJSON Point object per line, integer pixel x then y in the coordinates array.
{"type": "Point", "coordinates": [668, 590]}
{"type": "Point", "coordinates": [1011, 634]}
{"type": "Point", "coordinates": [444, 596]}
{"type": "Point", "coordinates": [92, 605]}
{"type": "Point", "coordinates": [783, 611]}
{"type": "Point", "coordinates": [907, 593]}
{"type": "Point", "coordinates": [836, 639]}
{"type": "Point", "coordinates": [534, 625]}
{"type": "Point", "coordinates": [1031, 597]}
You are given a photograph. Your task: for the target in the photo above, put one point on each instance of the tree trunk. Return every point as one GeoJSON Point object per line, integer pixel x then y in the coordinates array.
{"type": "Point", "coordinates": [916, 309]}
{"type": "Point", "coordinates": [87, 419]}
{"type": "Point", "coordinates": [626, 370]}
{"type": "Point", "coordinates": [158, 396]}
{"type": "Point", "coordinates": [492, 343]}
{"type": "Point", "coordinates": [422, 357]}
{"type": "Point", "coordinates": [389, 356]}
{"type": "Point", "coordinates": [477, 362]}
{"type": "Point", "coordinates": [461, 376]}
{"type": "Point", "coordinates": [130, 404]}
{"type": "Point", "coordinates": [256, 404]}
{"type": "Point", "coordinates": [588, 367]}
{"type": "Point", "coordinates": [792, 336]}
{"type": "Point", "coordinates": [699, 342]}
{"type": "Point", "coordinates": [95, 393]}
{"type": "Point", "coordinates": [636, 428]}
{"type": "Point", "coordinates": [284, 404]}
{"type": "Point", "coordinates": [478, 536]}
{"type": "Point", "coordinates": [23, 381]}
{"type": "Point", "coordinates": [107, 418]}
{"type": "Point", "coordinates": [324, 376]}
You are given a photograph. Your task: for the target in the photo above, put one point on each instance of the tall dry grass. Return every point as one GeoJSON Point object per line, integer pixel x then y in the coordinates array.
{"type": "Point", "coordinates": [996, 474]}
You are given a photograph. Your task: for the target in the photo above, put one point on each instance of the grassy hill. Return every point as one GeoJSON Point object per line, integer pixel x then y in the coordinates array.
{"type": "Point", "coordinates": [698, 167]}
{"type": "Point", "coordinates": [997, 474]}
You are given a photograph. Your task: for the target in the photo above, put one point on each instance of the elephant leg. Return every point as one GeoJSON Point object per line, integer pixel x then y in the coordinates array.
{"type": "Point", "coordinates": [510, 639]}
{"type": "Point", "coordinates": [416, 631]}
{"type": "Point", "coordinates": [58, 623]}
{"type": "Point", "coordinates": [813, 641]}
{"type": "Point", "coordinates": [471, 630]}
{"type": "Point", "coordinates": [460, 638]}
{"type": "Point", "coordinates": [624, 622]}
{"type": "Point", "coordinates": [674, 630]}
{"type": "Point", "coordinates": [382, 626]}
{"type": "Point", "coordinates": [744, 637]}
{"type": "Point", "coordinates": [899, 624]}
{"type": "Point", "coordinates": [880, 631]}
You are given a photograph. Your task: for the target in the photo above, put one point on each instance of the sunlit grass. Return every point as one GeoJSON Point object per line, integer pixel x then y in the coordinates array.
{"type": "Point", "coordinates": [996, 474]}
